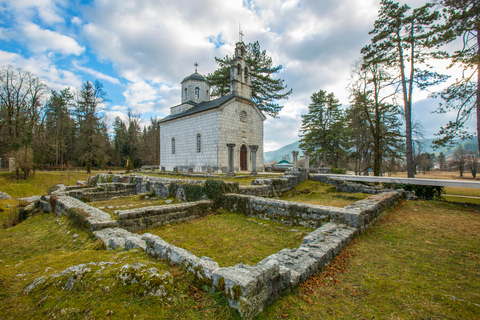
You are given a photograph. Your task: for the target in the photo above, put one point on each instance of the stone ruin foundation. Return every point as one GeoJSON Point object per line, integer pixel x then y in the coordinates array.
{"type": "Point", "coordinates": [249, 289]}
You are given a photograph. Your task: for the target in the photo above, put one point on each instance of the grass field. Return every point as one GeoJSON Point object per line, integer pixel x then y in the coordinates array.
{"type": "Point", "coordinates": [421, 260]}
{"type": "Point", "coordinates": [230, 238]}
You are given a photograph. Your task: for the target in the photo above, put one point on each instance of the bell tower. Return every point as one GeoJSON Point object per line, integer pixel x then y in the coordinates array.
{"type": "Point", "coordinates": [240, 73]}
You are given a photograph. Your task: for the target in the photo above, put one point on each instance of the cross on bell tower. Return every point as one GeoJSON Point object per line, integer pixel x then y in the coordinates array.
{"type": "Point", "coordinates": [196, 65]}
{"type": "Point", "coordinates": [240, 33]}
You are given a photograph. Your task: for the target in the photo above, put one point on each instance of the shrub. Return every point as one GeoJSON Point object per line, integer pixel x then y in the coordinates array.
{"type": "Point", "coordinates": [10, 220]}
{"type": "Point", "coordinates": [215, 189]}
{"type": "Point", "coordinates": [421, 191]}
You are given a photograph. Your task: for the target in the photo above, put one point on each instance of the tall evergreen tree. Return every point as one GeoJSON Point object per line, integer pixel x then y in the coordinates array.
{"type": "Point", "coordinates": [266, 90]}
{"type": "Point", "coordinates": [57, 121]}
{"type": "Point", "coordinates": [120, 152]}
{"type": "Point", "coordinates": [401, 37]}
{"type": "Point", "coordinates": [91, 129]}
{"type": "Point", "coordinates": [323, 129]}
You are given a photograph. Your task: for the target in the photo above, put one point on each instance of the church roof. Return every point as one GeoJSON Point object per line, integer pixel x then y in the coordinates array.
{"type": "Point", "coordinates": [199, 107]}
{"type": "Point", "coordinates": [194, 76]}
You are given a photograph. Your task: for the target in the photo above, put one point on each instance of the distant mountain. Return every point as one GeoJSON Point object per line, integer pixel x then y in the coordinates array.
{"type": "Point", "coordinates": [469, 144]}
{"type": "Point", "coordinates": [277, 155]}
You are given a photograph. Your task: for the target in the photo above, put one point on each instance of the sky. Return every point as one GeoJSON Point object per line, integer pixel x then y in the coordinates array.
{"type": "Point", "coordinates": [141, 50]}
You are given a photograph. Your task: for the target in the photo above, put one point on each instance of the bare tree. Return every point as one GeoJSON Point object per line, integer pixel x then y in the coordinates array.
{"type": "Point", "coordinates": [21, 102]}
{"type": "Point", "coordinates": [472, 163]}
{"type": "Point", "coordinates": [460, 156]}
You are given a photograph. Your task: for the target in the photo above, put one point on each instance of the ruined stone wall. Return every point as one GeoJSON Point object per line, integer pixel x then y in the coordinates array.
{"type": "Point", "coordinates": [357, 215]}
{"type": "Point", "coordinates": [150, 217]}
{"type": "Point", "coordinates": [273, 187]}
{"type": "Point", "coordinates": [103, 191]}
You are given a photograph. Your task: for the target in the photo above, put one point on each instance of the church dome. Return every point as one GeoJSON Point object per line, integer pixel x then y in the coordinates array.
{"type": "Point", "coordinates": [194, 76]}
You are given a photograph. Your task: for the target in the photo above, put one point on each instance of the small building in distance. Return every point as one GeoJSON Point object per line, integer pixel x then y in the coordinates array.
{"type": "Point", "coordinates": [196, 133]}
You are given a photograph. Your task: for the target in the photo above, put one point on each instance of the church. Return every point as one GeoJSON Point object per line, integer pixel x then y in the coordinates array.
{"type": "Point", "coordinates": [202, 134]}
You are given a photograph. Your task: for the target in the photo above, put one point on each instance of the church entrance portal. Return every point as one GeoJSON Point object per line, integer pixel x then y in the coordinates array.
{"type": "Point", "coordinates": [243, 158]}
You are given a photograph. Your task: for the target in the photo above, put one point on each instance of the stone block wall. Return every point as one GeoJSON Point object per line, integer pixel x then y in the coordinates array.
{"type": "Point", "coordinates": [150, 217]}
{"type": "Point", "coordinates": [103, 191]}
{"type": "Point", "coordinates": [273, 187]}
{"type": "Point", "coordinates": [293, 213]}
{"type": "Point", "coordinates": [287, 212]}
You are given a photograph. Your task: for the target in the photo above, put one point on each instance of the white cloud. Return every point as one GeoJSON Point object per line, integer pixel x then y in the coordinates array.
{"type": "Point", "coordinates": [49, 11]}
{"type": "Point", "coordinates": [56, 78]}
{"type": "Point", "coordinates": [153, 45]}
{"type": "Point", "coordinates": [41, 40]}
{"type": "Point", "coordinates": [95, 73]}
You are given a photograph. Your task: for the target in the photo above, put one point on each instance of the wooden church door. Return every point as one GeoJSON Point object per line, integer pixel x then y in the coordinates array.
{"type": "Point", "coordinates": [243, 158]}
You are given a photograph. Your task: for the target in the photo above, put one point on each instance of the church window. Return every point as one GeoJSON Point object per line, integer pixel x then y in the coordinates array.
{"type": "Point", "coordinates": [246, 74]}
{"type": "Point", "coordinates": [239, 69]}
{"type": "Point", "coordinates": [197, 93]}
{"type": "Point", "coordinates": [173, 145]}
{"type": "Point", "coordinates": [185, 93]}
{"type": "Point", "coordinates": [199, 143]}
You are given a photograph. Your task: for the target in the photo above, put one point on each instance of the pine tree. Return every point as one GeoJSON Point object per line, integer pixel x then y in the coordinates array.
{"type": "Point", "coordinates": [462, 20]}
{"type": "Point", "coordinates": [323, 129]}
{"type": "Point", "coordinates": [401, 37]}
{"type": "Point", "coordinates": [266, 90]}
{"type": "Point", "coordinates": [91, 129]}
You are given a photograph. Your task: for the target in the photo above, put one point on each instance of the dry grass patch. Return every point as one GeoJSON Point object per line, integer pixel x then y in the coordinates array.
{"type": "Point", "coordinates": [318, 193]}
{"type": "Point", "coordinates": [443, 175]}
{"type": "Point", "coordinates": [421, 261]}
{"type": "Point", "coordinates": [230, 238]}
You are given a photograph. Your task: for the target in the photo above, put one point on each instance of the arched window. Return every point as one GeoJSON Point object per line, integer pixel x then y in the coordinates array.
{"type": "Point", "coordinates": [239, 69]}
{"type": "Point", "coordinates": [173, 145]}
{"type": "Point", "coordinates": [199, 143]}
{"type": "Point", "coordinates": [246, 74]}
{"type": "Point", "coordinates": [197, 93]}
{"type": "Point", "coordinates": [185, 93]}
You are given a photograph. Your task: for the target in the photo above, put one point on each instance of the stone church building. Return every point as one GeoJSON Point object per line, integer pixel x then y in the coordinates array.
{"type": "Point", "coordinates": [196, 133]}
